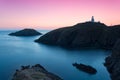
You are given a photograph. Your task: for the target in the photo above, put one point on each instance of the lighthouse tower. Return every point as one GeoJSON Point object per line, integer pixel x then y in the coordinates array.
{"type": "Point", "coordinates": [92, 19]}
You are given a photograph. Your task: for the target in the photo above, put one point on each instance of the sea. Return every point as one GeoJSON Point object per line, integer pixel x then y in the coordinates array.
{"type": "Point", "coordinates": [18, 51]}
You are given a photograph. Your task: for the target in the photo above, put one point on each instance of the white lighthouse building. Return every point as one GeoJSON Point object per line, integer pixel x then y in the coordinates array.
{"type": "Point", "coordinates": [92, 19]}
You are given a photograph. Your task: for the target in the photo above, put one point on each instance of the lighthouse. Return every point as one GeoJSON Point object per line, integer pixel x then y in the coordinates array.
{"type": "Point", "coordinates": [92, 19]}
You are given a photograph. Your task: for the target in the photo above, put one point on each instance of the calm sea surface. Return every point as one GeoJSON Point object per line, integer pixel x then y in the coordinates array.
{"type": "Point", "coordinates": [17, 51]}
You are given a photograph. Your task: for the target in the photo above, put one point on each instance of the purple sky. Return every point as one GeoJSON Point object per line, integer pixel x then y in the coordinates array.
{"type": "Point", "coordinates": [49, 14]}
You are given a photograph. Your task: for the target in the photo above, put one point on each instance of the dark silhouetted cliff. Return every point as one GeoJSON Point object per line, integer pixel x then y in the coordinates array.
{"type": "Point", "coordinates": [82, 35]}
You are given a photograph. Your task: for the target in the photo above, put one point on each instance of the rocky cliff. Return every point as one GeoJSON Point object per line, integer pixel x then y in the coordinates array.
{"type": "Point", "coordinates": [112, 62]}
{"type": "Point", "coordinates": [83, 35]}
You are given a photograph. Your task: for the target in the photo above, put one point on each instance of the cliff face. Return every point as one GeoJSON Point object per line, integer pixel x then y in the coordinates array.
{"type": "Point", "coordinates": [82, 35]}
{"type": "Point", "coordinates": [113, 62]}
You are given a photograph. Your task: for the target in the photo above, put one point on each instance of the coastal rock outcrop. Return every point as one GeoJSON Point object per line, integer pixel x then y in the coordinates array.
{"type": "Point", "coordinates": [83, 35]}
{"type": "Point", "coordinates": [36, 72]}
{"type": "Point", "coordinates": [85, 68]}
{"type": "Point", "coordinates": [25, 32]}
{"type": "Point", "coordinates": [112, 62]}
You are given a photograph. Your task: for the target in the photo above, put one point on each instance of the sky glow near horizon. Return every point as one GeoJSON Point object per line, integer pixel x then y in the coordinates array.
{"type": "Point", "coordinates": [51, 14]}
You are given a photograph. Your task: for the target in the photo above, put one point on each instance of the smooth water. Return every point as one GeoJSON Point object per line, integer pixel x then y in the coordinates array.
{"type": "Point", "coordinates": [17, 51]}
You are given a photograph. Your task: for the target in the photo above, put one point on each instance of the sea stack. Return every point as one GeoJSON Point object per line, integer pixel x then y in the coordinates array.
{"type": "Point", "coordinates": [26, 32]}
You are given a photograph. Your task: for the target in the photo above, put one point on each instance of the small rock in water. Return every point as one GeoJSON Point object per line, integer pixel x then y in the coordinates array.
{"type": "Point", "coordinates": [85, 68]}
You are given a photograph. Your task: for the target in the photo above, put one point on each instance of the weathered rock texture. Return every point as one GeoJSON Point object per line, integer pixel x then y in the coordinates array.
{"type": "Point", "coordinates": [36, 72]}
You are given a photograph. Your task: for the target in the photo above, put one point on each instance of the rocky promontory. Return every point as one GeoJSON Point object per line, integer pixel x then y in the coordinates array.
{"type": "Point", "coordinates": [25, 32]}
{"type": "Point", "coordinates": [83, 35]}
{"type": "Point", "coordinates": [36, 72]}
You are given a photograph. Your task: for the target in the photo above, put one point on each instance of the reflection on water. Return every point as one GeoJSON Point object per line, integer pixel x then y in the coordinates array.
{"type": "Point", "coordinates": [17, 51]}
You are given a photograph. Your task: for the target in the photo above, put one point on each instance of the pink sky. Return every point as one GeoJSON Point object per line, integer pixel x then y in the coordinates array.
{"type": "Point", "coordinates": [50, 14]}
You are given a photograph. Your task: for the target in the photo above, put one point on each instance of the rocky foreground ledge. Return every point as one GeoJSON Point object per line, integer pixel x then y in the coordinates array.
{"type": "Point", "coordinates": [36, 72]}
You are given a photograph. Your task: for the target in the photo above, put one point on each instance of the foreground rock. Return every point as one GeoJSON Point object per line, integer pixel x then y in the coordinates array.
{"type": "Point", "coordinates": [112, 62]}
{"type": "Point", "coordinates": [25, 32]}
{"type": "Point", "coordinates": [83, 35]}
{"type": "Point", "coordinates": [85, 68]}
{"type": "Point", "coordinates": [36, 72]}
